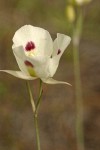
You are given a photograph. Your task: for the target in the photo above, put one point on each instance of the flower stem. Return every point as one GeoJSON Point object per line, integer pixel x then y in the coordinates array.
{"type": "Point", "coordinates": [78, 87]}
{"type": "Point", "coordinates": [36, 115]}
{"type": "Point", "coordinates": [31, 97]}
{"type": "Point", "coordinates": [37, 131]}
{"type": "Point", "coordinates": [39, 98]}
{"type": "Point", "coordinates": [35, 111]}
{"type": "Point", "coordinates": [79, 102]}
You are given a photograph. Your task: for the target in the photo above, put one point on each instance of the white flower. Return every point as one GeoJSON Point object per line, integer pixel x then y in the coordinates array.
{"type": "Point", "coordinates": [36, 54]}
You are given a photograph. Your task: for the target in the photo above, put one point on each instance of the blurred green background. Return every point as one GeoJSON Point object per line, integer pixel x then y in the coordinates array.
{"type": "Point", "coordinates": [57, 112]}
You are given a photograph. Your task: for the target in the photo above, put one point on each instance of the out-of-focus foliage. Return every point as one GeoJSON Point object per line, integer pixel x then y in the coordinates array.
{"type": "Point", "coordinates": [2, 88]}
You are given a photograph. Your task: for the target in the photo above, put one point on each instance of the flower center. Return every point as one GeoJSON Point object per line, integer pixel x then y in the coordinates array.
{"type": "Point", "coordinates": [30, 46]}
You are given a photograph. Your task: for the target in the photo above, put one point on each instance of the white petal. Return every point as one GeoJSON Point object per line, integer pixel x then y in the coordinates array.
{"type": "Point", "coordinates": [20, 58]}
{"type": "Point", "coordinates": [40, 37]}
{"type": "Point", "coordinates": [19, 74]}
{"type": "Point", "coordinates": [52, 81]}
{"type": "Point", "coordinates": [19, 51]}
{"type": "Point", "coordinates": [60, 43]}
{"type": "Point", "coordinates": [40, 63]}
{"type": "Point", "coordinates": [41, 66]}
{"type": "Point", "coordinates": [53, 65]}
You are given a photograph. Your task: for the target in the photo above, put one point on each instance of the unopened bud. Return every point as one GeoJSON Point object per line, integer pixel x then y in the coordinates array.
{"type": "Point", "coordinates": [70, 13]}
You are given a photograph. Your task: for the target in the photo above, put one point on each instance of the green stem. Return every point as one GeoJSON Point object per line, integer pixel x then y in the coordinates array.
{"type": "Point", "coordinates": [39, 98]}
{"type": "Point", "coordinates": [78, 85]}
{"type": "Point", "coordinates": [36, 115]}
{"type": "Point", "coordinates": [35, 111]}
{"type": "Point", "coordinates": [79, 101]}
{"type": "Point", "coordinates": [37, 131]}
{"type": "Point", "coordinates": [31, 97]}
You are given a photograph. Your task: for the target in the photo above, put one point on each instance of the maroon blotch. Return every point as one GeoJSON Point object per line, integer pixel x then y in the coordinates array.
{"type": "Point", "coordinates": [28, 64]}
{"type": "Point", "coordinates": [59, 51]}
{"type": "Point", "coordinates": [30, 46]}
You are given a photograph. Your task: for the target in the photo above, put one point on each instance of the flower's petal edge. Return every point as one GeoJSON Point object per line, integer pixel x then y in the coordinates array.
{"type": "Point", "coordinates": [53, 81]}
{"type": "Point", "coordinates": [39, 36]}
{"type": "Point", "coordinates": [18, 74]}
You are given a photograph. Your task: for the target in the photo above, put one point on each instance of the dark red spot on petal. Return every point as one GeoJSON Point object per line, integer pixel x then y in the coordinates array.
{"type": "Point", "coordinates": [59, 51]}
{"type": "Point", "coordinates": [29, 46]}
{"type": "Point", "coordinates": [28, 64]}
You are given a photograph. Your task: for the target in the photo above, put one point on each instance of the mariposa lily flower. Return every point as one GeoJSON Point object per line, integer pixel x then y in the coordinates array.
{"type": "Point", "coordinates": [36, 54]}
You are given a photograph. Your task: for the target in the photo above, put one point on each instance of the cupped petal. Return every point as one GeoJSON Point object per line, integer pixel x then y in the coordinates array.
{"type": "Point", "coordinates": [53, 81]}
{"type": "Point", "coordinates": [20, 58]}
{"type": "Point", "coordinates": [41, 66]}
{"type": "Point", "coordinates": [60, 44]}
{"type": "Point", "coordinates": [40, 63]}
{"type": "Point", "coordinates": [41, 38]}
{"type": "Point", "coordinates": [53, 65]}
{"type": "Point", "coordinates": [19, 74]}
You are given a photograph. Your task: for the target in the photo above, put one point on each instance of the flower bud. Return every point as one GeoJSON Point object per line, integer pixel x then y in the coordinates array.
{"type": "Point", "coordinates": [70, 13]}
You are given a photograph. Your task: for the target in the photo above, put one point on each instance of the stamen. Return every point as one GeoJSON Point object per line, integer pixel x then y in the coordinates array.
{"type": "Point", "coordinates": [28, 64]}
{"type": "Point", "coordinates": [59, 51]}
{"type": "Point", "coordinates": [30, 46]}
